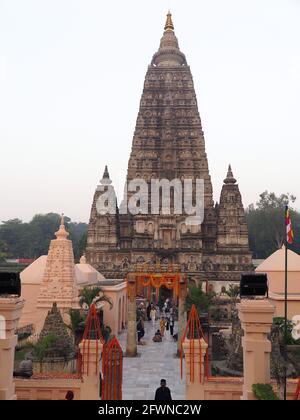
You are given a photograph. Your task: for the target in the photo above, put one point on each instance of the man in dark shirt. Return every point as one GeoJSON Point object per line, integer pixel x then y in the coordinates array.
{"type": "Point", "coordinates": [163, 393]}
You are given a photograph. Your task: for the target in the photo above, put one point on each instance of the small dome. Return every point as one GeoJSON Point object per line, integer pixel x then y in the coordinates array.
{"type": "Point", "coordinates": [276, 262]}
{"type": "Point", "coordinates": [34, 273]}
{"type": "Point", "coordinates": [86, 274]}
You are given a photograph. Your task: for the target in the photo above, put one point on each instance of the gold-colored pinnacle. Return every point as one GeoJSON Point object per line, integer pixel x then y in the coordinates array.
{"type": "Point", "coordinates": [169, 24]}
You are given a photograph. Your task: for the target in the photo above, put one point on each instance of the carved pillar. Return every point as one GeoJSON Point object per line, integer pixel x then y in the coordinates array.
{"type": "Point", "coordinates": [182, 318]}
{"type": "Point", "coordinates": [131, 346]}
{"type": "Point", "coordinates": [10, 312]}
{"type": "Point", "coordinates": [256, 317]}
{"type": "Point", "coordinates": [91, 352]}
{"type": "Point", "coordinates": [194, 368]}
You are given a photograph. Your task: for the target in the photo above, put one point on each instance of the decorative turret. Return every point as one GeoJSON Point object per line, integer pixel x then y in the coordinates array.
{"type": "Point", "coordinates": [103, 228]}
{"type": "Point", "coordinates": [62, 234]}
{"type": "Point", "coordinates": [105, 179]}
{"type": "Point", "coordinates": [232, 232]}
{"type": "Point", "coordinates": [229, 178]}
{"type": "Point", "coordinates": [169, 24]}
{"type": "Point", "coordinates": [169, 54]}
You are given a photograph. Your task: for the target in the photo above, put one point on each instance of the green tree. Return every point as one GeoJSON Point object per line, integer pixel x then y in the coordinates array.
{"type": "Point", "coordinates": [80, 243]}
{"type": "Point", "coordinates": [40, 348]}
{"type": "Point", "coordinates": [202, 300]}
{"type": "Point", "coordinates": [266, 224]}
{"type": "Point", "coordinates": [233, 293]}
{"type": "Point", "coordinates": [94, 295]}
{"type": "Point", "coordinates": [15, 234]}
{"type": "Point", "coordinates": [76, 324]}
{"type": "Point", "coordinates": [31, 240]}
{"type": "Point", "coordinates": [264, 392]}
{"type": "Point", "coordinates": [3, 249]}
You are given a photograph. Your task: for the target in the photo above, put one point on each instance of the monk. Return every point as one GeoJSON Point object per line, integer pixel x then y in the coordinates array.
{"type": "Point", "coordinates": [162, 325]}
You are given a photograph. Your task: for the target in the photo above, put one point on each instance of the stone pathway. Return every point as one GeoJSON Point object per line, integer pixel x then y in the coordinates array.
{"type": "Point", "coordinates": [142, 374]}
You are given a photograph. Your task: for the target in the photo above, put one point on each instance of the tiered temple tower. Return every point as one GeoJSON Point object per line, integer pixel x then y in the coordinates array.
{"type": "Point", "coordinates": [168, 143]}
{"type": "Point", "coordinates": [59, 281]}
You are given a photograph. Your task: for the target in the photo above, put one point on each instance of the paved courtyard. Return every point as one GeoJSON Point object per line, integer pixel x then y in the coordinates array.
{"type": "Point", "coordinates": [142, 374]}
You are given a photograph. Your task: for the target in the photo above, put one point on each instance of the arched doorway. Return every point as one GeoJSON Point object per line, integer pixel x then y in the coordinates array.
{"type": "Point", "coordinates": [164, 293]}
{"type": "Point", "coordinates": [175, 284]}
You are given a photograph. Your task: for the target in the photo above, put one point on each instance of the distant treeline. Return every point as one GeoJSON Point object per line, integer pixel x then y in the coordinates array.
{"type": "Point", "coordinates": [266, 226]}
{"type": "Point", "coordinates": [31, 240]}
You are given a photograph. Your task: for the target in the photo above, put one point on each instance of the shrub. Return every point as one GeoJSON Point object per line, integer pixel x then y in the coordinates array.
{"type": "Point", "coordinates": [264, 392]}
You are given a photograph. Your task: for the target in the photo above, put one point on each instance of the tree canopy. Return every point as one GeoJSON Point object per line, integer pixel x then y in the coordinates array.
{"type": "Point", "coordinates": [266, 224]}
{"type": "Point", "coordinates": [19, 239]}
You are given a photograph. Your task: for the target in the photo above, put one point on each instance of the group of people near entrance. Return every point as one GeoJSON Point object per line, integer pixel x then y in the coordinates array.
{"type": "Point", "coordinates": [166, 316]}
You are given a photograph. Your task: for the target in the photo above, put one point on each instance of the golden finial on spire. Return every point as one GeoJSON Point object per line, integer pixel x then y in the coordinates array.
{"type": "Point", "coordinates": [169, 24]}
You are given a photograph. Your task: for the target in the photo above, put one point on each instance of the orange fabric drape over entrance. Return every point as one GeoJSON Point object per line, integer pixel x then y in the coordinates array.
{"type": "Point", "coordinates": [156, 280]}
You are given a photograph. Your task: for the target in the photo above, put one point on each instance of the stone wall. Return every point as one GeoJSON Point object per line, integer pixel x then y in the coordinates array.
{"type": "Point", "coordinates": [47, 389]}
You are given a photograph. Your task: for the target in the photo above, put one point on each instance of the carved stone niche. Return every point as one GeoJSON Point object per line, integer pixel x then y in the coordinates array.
{"type": "Point", "coordinates": [140, 226]}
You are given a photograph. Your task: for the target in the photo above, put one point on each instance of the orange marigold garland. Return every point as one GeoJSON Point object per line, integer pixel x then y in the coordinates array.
{"type": "Point", "coordinates": [145, 280]}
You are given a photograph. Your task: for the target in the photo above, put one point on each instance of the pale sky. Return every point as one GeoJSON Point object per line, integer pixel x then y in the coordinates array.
{"type": "Point", "coordinates": [71, 77]}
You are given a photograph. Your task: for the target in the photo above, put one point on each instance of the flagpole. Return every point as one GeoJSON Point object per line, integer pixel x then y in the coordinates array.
{"type": "Point", "coordinates": [285, 316]}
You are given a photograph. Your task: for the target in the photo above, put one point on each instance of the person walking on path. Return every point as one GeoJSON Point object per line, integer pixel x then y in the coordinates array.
{"type": "Point", "coordinates": [167, 319]}
{"type": "Point", "coordinates": [163, 393]}
{"type": "Point", "coordinates": [140, 330]}
{"type": "Point", "coordinates": [171, 325]}
{"type": "Point", "coordinates": [149, 311]}
{"type": "Point", "coordinates": [153, 315]}
{"type": "Point", "coordinates": [162, 325]}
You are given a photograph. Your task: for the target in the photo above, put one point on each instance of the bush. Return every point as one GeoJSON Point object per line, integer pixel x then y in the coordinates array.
{"type": "Point", "coordinates": [264, 392]}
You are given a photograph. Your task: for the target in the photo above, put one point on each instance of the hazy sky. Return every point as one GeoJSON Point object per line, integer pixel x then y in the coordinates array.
{"type": "Point", "coordinates": [71, 77]}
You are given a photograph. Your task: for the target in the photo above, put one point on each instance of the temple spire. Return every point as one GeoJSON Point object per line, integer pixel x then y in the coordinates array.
{"type": "Point", "coordinates": [169, 23]}
{"type": "Point", "coordinates": [169, 54]}
{"type": "Point", "coordinates": [105, 178]}
{"type": "Point", "coordinates": [106, 173]}
{"type": "Point", "coordinates": [229, 177]}
{"type": "Point", "coordinates": [62, 233]}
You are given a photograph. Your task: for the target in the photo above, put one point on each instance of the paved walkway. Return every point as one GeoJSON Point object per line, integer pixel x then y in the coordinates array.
{"type": "Point", "coordinates": [142, 374]}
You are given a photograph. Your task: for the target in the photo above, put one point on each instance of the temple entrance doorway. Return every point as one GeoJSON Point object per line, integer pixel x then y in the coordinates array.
{"type": "Point", "coordinates": [154, 286]}
{"type": "Point", "coordinates": [164, 294]}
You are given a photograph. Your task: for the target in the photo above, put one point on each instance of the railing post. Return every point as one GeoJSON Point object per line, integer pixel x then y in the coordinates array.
{"type": "Point", "coordinates": [195, 368]}
{"type": "Point", "coordinates": [256, 318]}
{"type": "Point", "coordinates": [10, 312]}
{"type": "Point", "coordinates": [194, 349]}
{"type": "Point", "coordinates": [131, 345]}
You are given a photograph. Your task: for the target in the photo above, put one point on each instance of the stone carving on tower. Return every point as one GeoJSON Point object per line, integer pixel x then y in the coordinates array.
{"type": "Point", "coordinates": [168, 143]}
{"type": "Point", "coordinates": [232, 233]}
